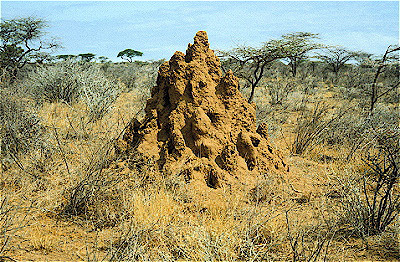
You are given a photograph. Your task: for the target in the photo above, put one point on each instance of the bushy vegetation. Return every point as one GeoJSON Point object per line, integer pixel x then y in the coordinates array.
{"type": "Point", "coordinates": [337, 124]}
{"type": "Point", "coordinates": [20, 129]}
{"type": "Point", "coordinates": [375, 204]}
{"type": "Point", "coordinates": [70, 81]}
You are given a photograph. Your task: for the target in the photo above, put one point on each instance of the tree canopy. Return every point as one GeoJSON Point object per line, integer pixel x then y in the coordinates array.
{"type": "Point", "coordinates": [87, 57]}
{"type": "Point", "coordinates": [296, 47]}
{"type": "Point", "coordinates": [103, 59]}
{"type": "Point", "coordinates": [65, 57]}
{"type": "Point", "coordinates": [250, 63]}
{"type": "Point", "coordinates": [336, 57]}
{"type": "Point", "coordinates": [23, 41]}
{"type": "Point", "coordinates": [129, 54]}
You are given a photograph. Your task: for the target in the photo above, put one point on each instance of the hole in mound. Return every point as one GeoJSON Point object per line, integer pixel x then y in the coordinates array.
{"type": "Point", "coordinates": [202, 151]}
{"type": "Point", "coordinates": [245, 152]}
{"type": "Point", "coordinates": [255, 141]}
{"type": "Point", "coordinates": [250, 164]}
{"type": "Point", "coordinates": [187, 133]}
{"type": "Point", "coordinates": [170, 147]}
{"type": "Point", "coordinates": [270, 149]}
{"type": "Point", "coordinates": [167, 101]}
{"type": "Point", "coordinates": [187, 175]}
{"type": "Point", "coordinates": [213, 116]}
{"type": "Point", "coordinates": [163, 135]}
{"type": "Point", "coordinates": [219, 161]}
{"type": "Point", "coordinates": [212, 179]}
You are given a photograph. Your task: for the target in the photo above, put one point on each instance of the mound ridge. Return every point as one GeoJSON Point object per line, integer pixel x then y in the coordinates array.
{"type": "Point", "coordinates": [199, 125]}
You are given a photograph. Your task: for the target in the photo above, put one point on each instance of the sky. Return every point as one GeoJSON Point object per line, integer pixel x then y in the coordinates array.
{"type": "Point", "coordinates": [158, 29]}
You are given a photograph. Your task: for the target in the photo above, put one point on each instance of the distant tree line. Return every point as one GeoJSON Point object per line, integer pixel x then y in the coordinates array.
{"type": "Point", "coordinates": [296, 49]}
{"type": "Point", "coordinates": [127, 54]}
{"type": "Point", "coordinates": [24, 41]}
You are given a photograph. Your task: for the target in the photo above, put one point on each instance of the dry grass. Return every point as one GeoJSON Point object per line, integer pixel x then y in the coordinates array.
{"type": "Point", "coordinates": [86, 205]}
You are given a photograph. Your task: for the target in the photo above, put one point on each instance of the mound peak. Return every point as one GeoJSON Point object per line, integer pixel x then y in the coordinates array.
{"type": "Point", "coordinates": [198, 124]}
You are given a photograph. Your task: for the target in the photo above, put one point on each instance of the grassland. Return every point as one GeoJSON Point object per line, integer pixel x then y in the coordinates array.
{"type": "Point", "coordinates": [65, 195]}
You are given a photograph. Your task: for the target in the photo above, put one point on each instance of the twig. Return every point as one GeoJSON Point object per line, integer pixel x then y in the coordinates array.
{"type": "Point", "coordinates": [60, 148]}
{"type": "Point", "coordinates": [22, 167]}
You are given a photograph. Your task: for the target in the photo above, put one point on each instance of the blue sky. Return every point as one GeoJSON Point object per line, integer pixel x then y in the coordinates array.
{"type": "Point", "coordinates": [158, 29]}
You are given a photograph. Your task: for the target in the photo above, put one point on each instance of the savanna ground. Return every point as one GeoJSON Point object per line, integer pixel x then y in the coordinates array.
{"type": "Point", "coordinates": [66, 196]}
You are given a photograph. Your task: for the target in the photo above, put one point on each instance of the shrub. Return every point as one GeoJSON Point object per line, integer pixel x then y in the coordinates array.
{"type": "Point", "coordinates": [98, 93]}
{"type": "Point", "coordinates": [20, 130]}
{"type": "Point", "coordinates": [94, 199]}
{"type": "Point", "coordinates": [137, 75]}
{"type": "Point", "coordinates": [10, 224]}
{"type": "Point", "coordinates": [311, 127]}
{"type": "Point", "coordinates": [310, 242]}
{"type": "Point", "coordinates": [58, 82]}
{"type": "Point", "coordinates": [372, 202]}
{"type": "Point", "coordinates": [279, 90]}
{"type": "Point", "coordinates": [6, 226]}
{"type": "Point", "coordinates": [96, 195]}
{"type": "Point", "coordinates": [355, 130]}
{"type": "Point", "coordinates": [70, 81]}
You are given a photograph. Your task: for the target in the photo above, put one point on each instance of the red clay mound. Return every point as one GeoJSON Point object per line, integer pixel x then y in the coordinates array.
{"type": "Point", "coordinates": [199, 125]}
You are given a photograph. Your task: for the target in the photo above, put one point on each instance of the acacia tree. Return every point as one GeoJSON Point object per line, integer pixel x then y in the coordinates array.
{"type": "Point", "coordinates": [390, 57]}
{"type": "Point", "coordinates": [87, 57]}
{"type": "Point", "coordinates": [65, 57]}
{"type": "Point", "coordinates": [23, 41]}
{"type": "Point", "coordinates": [250, 63]}
{"type": "Point", "coordinates": [129, 54]}
{"type": "Point", "coordinates": [103, 59]}
{"type": "Point", "coordinates": [336, 57]}
{"type": "Point", "coordinates": [296, 47]}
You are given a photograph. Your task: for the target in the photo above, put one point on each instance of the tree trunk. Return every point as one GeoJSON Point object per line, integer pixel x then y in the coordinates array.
{"type": "Point", "coordinates": [293, 65]}
{"type": "Point", "coordinates": [253, 87]}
